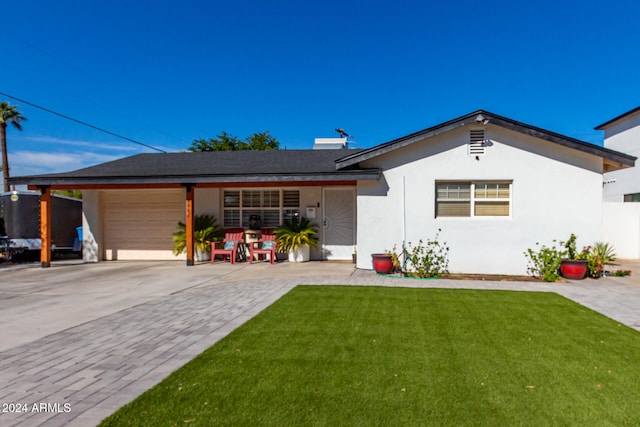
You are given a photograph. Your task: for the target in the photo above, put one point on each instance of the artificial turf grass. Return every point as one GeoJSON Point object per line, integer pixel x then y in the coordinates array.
{"type": "Point", "coordinates": [330, 355]}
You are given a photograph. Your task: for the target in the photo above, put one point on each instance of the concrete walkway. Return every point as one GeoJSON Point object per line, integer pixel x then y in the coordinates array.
{"type": "Point", "coordinates": [85, 339]}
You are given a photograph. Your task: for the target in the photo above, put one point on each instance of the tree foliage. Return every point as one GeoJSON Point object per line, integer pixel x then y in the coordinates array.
{"type": "Point", "coordinates": [76, 194]}
{"type": "Point", "coordinates": [8, 115]}
{"type": "Point", "coordinates": [226, 142]}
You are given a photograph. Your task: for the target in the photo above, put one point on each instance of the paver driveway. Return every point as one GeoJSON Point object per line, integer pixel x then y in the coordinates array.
{"type": "Point", "coordinates": [86, 339]}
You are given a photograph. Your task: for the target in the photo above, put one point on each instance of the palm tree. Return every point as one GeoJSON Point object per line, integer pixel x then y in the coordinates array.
{"type": "Point", "coordinates": [8, 114]}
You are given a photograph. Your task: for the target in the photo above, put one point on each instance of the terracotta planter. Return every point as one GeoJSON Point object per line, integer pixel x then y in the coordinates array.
{"type": "Point", "coordinates": [382, 263]}
{"type": "Point", "coordinates": [573, 269]}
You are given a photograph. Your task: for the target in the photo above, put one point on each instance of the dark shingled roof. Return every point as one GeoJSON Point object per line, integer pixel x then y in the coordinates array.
{"type": "Point", "coordinates": [286, 166]}
{"type": "Point", "coordinates": [210, 167]}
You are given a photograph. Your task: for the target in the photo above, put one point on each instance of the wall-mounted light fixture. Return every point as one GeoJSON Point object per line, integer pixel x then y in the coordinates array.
{"type": "Point", "coordinates": [481, 119]}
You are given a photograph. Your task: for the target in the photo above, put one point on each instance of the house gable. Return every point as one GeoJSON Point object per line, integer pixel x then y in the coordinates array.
{"type": "Point", "coordinates": [549, 189]}
{"type": "Point", "coordinates": [610, 159]}
{"type": "Point", "coordinates": [624, 117]}
{"type": "Point", "coordinates": [622, 133]}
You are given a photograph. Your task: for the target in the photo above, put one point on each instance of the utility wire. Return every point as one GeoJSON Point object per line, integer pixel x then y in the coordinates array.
{"type": "Point", "coordinates": [108, 84]}
{"type": "Point", "coordinates": [81, 122]}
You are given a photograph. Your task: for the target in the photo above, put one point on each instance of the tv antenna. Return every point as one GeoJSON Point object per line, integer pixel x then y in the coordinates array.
{"type": "Point", "coordinates": [343, 133]}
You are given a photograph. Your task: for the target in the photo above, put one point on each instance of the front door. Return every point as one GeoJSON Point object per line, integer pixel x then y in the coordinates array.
{"type": "Point", "coordinates": [339, 223]}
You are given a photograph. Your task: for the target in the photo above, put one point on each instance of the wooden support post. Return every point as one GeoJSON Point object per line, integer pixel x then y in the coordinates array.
{"type": "Point", "coordinates": [45, 227]}
{"type": "Point", "coordinates": [189, 206]}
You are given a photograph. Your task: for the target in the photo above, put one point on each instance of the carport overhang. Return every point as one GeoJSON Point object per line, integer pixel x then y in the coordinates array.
{"type": "Point", "coordinates": [46, 183]}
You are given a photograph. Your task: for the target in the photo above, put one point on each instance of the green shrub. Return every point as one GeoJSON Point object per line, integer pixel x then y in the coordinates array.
{"type": "Point", "coordinates": [395, 258]}
{"type": "Point", "coordinates": [544, 263]}
{"type": "Point", "coordinates": [570, 246]}
{"type": "Point", "coordinates": [621, 273]}
{"type": "Point", "coordinates": [597, 256]}
{"type": "Point", "coordinates": [428, 259]}
{"type": "Point", "coordinates": [604, 251]}
{"type": "Point", "coordinates": [205, 231]}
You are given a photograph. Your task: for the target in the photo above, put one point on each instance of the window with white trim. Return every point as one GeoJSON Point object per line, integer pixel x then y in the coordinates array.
{"type": "Point", "coordinates": [271, 206]}
{"type": "Point", "coordinates": [473, 199]}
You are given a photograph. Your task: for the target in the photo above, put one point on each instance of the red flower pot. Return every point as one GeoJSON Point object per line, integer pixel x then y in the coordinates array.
{"type": "Point", "coordinates": [382, 263]}
{"type": "Point", "coordinates": [573, 269]}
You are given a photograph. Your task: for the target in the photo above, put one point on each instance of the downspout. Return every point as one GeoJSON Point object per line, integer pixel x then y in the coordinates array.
{"type": "Point", "coordinates": [404, 221]}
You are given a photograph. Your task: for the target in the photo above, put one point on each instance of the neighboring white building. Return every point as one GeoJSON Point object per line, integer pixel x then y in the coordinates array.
{"type": "Point", "coordinates": [621, 212]}
{"type": "Point", "coordinates": [494, 186]}
{"type": "Point", "coordinates": [623, 134]}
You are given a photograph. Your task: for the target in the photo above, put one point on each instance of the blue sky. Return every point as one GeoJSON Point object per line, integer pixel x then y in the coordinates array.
{"type": "Point", "coordinates": [165, 73]}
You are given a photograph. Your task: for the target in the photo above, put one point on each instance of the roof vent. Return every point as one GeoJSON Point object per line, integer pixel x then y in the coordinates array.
{"type": "Point", "coordinates": [476, 142]}
{"type": "Point", "coordinates": [329, 143]}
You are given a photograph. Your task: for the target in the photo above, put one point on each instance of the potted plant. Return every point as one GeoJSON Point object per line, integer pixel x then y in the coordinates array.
{"type": "Point", "coordinates": [601, 254]}
{"type": "Point", "coordinates": [386, 263]}
{"type": "Point", "coordinates": [575, 266]}
{"type": "Point", "coordinates": [205, 231]}
{"type": "Point", "coordinates": [297, 237]}
{"type": "Point", "coordinates": [382, 263]}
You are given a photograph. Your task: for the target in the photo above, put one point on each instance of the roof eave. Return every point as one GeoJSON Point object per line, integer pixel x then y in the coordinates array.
{"type": "Point", "coordinates": [615, 119]}
{"type": "Point", "coordinates": [356, 158]}
{"type": "Point", "coordinates": [176, 180]}
{"type": "Point", "coordinates": [607, 154]}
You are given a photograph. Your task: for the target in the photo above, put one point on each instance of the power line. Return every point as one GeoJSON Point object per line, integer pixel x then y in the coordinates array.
{"type": "Point", "coordinates": [81, 122]}
{"type": "Point", "coordinates": [108, 84]}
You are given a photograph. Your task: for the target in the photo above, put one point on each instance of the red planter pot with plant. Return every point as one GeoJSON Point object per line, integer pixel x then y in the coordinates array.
{"type": "Point", "coordinates": [382, 263]}
{"type": "Point", "coordinates": [574, 269]}
{"type": "Point", "coordinates": [576, 266]}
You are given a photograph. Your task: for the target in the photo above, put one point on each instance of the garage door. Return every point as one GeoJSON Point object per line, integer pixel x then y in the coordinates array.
{"type": "Point", "coordinates": [138, 224]}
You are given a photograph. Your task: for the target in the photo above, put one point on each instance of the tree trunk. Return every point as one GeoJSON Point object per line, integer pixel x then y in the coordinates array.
{"type": "Point", "coordinates": [5, 157]}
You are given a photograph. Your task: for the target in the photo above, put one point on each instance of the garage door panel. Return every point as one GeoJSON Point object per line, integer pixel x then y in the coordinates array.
{"type": "Point", "coordinates": [138, 225]}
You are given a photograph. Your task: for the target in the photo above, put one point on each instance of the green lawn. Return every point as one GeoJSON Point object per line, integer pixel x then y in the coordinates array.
{"type": "Point", "coordinates": [371, 356]}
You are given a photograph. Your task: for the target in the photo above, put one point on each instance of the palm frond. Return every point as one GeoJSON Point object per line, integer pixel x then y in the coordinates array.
{"type": "Point", "coordinates": [295, 233]}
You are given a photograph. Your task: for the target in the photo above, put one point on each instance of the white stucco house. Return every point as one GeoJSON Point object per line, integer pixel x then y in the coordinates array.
{"type": "Point", "coordinates": [621, 194]}
{"type": "Point", "coordinates": [494, 186]}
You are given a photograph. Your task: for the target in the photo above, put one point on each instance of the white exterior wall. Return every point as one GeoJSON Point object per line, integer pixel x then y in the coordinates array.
{"type": "Point", "coordinates": [91, 226]}
{"type": "Point", "coordinates": [556, 191]}
{"type": "Point", "coordinates": [621, 228]}
{"type": "Point", "coordinates": [623, 136]}
{"type": "Point", "coordinates": [207, 202]}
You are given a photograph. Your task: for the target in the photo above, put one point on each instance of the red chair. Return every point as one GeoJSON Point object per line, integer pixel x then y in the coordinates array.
{"type": "Point", "coordinates": [229, 246]}
{"type": "Point", "coordinates": [266, 246]}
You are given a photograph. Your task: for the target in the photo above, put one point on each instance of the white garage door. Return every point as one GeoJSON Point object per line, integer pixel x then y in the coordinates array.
{"type": "Point", "coordinates": [138, 224]}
